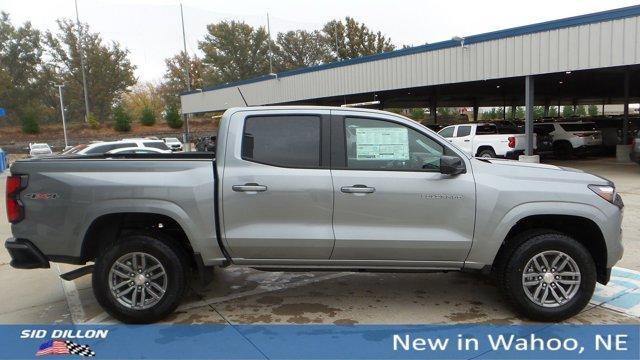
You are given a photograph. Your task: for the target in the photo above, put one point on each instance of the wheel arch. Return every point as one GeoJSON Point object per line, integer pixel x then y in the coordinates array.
{"type": "Point", "coordinates": [107, 228]}
{"type": "Point", "coordinates": [582, 229]}
{"type": "Point", "coordinates": [484, 147]}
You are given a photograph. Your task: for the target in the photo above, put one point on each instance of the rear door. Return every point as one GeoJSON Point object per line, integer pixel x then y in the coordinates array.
{"type": "Point", "coordinates": [392, 205]}
{"type": "Point", "coordinates": [463, 138]}
{"type": "Point", "coordinates": [277, 193]}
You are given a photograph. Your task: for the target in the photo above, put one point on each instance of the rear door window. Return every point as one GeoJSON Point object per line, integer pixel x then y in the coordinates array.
{"type": "Point", "coordinates": [463, 130]}
{"type": "Point", "coordinates": [285, 140]}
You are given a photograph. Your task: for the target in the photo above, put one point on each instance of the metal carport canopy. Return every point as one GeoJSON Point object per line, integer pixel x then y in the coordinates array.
{"type": "Point", "coordinates": [601, 40]}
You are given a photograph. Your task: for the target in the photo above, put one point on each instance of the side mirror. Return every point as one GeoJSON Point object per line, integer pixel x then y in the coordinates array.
{"type": "Point", "coordinates": [452, 165]}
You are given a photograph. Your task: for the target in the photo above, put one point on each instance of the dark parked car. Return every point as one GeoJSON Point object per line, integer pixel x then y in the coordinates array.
{"type": "Point", "coordinates": [635, 149]}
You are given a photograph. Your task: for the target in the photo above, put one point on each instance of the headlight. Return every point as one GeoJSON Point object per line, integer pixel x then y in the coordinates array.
{"type": "Point", "coordinates": [605, 191]}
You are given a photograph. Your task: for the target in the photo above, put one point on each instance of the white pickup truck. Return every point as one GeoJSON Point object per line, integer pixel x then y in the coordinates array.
{"type": "Point", "coordinates": [488, 140]}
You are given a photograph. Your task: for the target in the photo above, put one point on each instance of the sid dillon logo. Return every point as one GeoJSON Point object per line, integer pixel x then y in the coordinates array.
{"type": "Point", "coordinates": [59, 343]}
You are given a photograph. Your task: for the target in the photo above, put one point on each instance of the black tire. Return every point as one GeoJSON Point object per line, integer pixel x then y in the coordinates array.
{"type": "Point", "coordinates": [529, 244]}
{"type": "Point", "coordinates": [169, 254]}
{"type": "Point", "coordinates": [563, 150]}
{"type": "Point", "coordinates": [487, 153]}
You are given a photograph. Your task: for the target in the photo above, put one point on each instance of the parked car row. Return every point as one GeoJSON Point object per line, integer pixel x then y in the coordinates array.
{"type": "Point", "coordinates": [506, 139]}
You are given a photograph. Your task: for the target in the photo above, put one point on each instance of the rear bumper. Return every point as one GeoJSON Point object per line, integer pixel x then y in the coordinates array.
{"type": "Point", "coordinates": [514, 154]}
{"type": "Point", "coordinates": [25, 255]}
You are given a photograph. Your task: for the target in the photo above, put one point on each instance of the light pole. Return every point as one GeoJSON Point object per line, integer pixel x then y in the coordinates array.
{"type": "Point", "coordinates": [64, 124]}
{"type": "Point", "coordinates": [84, 76]}
{"type": "Point", "coordinates": [187, 73]}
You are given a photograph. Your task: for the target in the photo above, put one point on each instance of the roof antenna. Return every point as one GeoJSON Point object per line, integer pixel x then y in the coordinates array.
{"type": "Point", "coordinates": [243, 99]}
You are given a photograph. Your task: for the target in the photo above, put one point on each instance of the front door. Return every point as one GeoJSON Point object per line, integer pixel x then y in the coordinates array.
{"type": "Point", "coordinates": [392, 204]}
{"type": "Point", "coordinates": [277, 193]}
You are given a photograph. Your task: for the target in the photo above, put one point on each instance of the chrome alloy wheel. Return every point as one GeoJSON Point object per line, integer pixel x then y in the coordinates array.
{"type": "Point", "coordinates": [137, 280]}
{"type": "Point", "coordinates": [551, 278]}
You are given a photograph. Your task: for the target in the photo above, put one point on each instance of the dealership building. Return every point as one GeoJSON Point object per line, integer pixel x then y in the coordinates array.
{"type": "Point", "coordinates": [586, 59]}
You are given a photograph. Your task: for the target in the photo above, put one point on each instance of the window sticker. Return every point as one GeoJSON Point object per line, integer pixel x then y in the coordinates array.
{"type": "Point", "coordinates": [382, 144]}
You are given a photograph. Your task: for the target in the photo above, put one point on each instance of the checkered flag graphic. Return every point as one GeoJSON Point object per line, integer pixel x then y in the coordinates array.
{"type": "Point", "coordinates": [77, 349]}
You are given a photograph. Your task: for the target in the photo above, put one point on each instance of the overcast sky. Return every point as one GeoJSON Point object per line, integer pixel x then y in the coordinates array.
{"type": "Point", "coordinates": [151, 29]}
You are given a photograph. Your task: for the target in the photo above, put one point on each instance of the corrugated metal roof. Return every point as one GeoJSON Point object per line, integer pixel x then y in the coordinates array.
{"type": "Point", "coordinates": [609, 38]}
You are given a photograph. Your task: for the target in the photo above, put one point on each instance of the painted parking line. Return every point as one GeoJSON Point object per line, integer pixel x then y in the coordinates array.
{"type": "Point", "coordinates": [622, 294]}
{"type": "Point", "coordinates": [72, 296]}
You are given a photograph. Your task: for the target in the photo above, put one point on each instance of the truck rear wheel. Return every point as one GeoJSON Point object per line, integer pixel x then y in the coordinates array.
{"type": "Point", "coordinates": [548, 277]}
{"type": "Point", "coordinates": [140, 278]}
{"type": "Point", "coordinates": [487, 153]}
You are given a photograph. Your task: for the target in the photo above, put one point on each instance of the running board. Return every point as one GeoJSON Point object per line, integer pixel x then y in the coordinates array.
{"type": "Point", "coordinates": [72, 275]}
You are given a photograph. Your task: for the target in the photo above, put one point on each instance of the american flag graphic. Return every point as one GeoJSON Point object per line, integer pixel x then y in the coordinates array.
{"type": "Point", "coordinates": [64, 347]}
{"type": "Point", "coordinates": [53, 347]}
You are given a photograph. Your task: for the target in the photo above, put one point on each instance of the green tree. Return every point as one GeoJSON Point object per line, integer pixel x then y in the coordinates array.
{"type": "Point", "coordinates": [93, 122]}
{"type": "Point", "coordinates": [175, 77]}
{"type": "Point", "coordinates": [538, 112]}
{"type": "Point", "coordinates": [567, 111]}
{"type": "Point", "coordinates": [172, 117]}
{"type": "Point", "coordinates": [581, 110]}
{"type": "Point", "coordinates": [29, 122]}
{"type": "Point", "coordinates": [108, 69]}
{"type": "Point", "coordinates": [122, 120]}
{"type": "Point", "coordinates": [235, 51]}
{"type": "Point", "coordinates": [23, 86]}
{"type": "Point", "coordinates": [147, 116]}
{"type": "Point", "coordinates": [351, 39]}
{"type": "Point", "coordinates": [553, 111]}
{"type": "Point", "coordinates": [445, 111]}
{"type": "Point", "coordinates": [592, 110]}
{"type": "Point", "coordinates": [300, 48]}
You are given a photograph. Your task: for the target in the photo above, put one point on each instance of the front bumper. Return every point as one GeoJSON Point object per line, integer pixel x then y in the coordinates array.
{"type": "Point", "coordinates": [25, 255]}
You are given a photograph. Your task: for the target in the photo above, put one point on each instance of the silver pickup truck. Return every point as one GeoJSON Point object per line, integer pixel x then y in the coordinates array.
{"type": "Point", "coordinates": [315, 188]}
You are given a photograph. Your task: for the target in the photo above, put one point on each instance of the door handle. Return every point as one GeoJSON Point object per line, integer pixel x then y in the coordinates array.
{"type": "Point", "coordinates": [467, 140]}
{"type": "Point", "coordinates": [358, 189]}
{"type": "Point", "coordinates": [249, 188]}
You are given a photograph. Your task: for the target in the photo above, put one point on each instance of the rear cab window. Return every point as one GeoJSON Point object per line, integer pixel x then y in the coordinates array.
{"type": "Point", "coordinates": [155, 144]}
{"type": "Point", "coordinates": [486, 129]}
{"type": "Point", "coordinates": [101, 149]}
{"type": "Point", "coordinates": [283, 140]}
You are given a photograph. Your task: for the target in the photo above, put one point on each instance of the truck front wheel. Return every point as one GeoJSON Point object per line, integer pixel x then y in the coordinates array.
{"type": "Point", "coordinates": [140, 278]}
{"type": "Point", "coordinates": [549, 277]}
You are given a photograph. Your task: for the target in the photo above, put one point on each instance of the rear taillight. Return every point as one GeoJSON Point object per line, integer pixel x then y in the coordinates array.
{"type": "Point", "coordinates": [512, 142]}
{"type": "Point", "coordinates": [15, 208]}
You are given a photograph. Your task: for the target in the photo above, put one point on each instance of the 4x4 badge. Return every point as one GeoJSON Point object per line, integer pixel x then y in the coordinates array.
{"type": "Point", "coordinates": [41, 196]}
